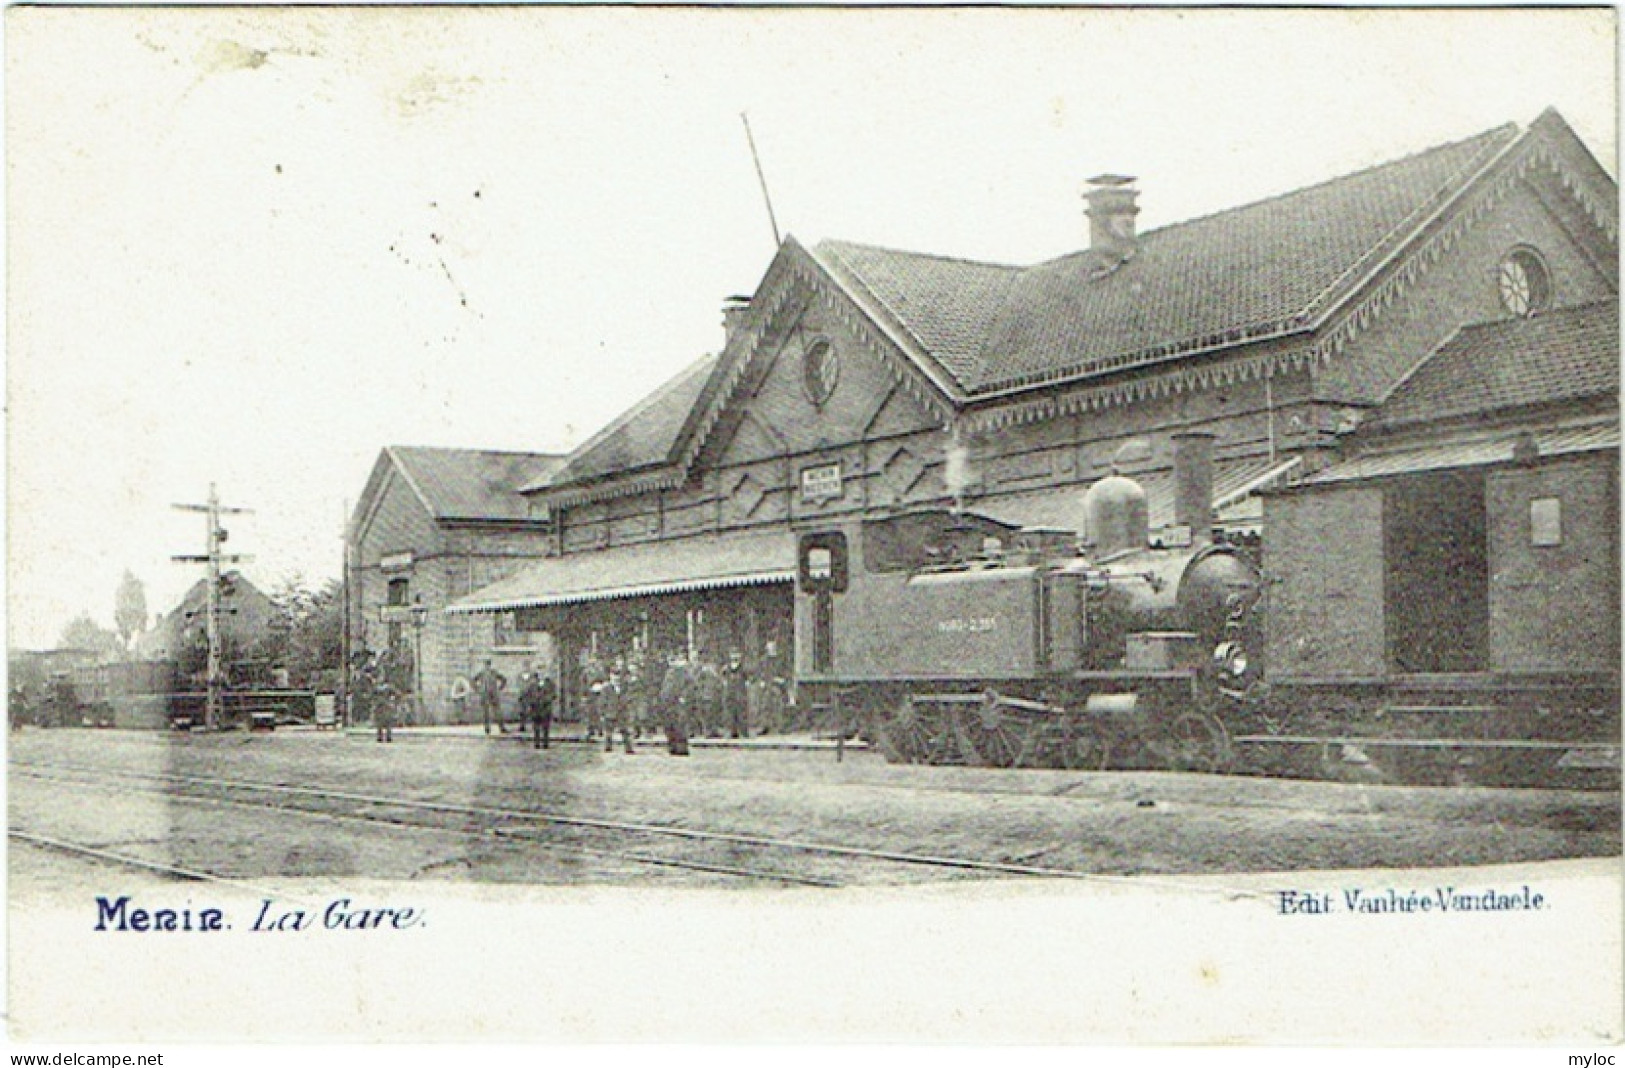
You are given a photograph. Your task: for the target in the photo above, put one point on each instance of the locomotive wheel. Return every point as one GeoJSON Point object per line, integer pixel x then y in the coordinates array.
{"type": "Point", "coordinates": [902, 736]}
{"type": "Point", "coordinates": [991, 734]}
{"type": "Point", "coordinates": [916, 735]}
{"type": "Point", "coordinates": [1197, 742]}
{"type": "Point", "coordinates": [1084, 750]}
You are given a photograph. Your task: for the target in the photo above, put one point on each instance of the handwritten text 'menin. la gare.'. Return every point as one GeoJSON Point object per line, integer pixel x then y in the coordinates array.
{"type": "Point", "coordinates": [341, 914]}
{"type": "Point", "coordinates": [1391, 902]}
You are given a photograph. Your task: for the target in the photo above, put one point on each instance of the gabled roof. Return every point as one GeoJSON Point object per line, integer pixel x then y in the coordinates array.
{"type": "Point", "coordinates": [1562, 355]}
{"type": "Point", "coordinates": [472, 484]}
{"type": "Point", "coordinates": [1270, 267]}
{"type": "Point", "coordinates": [949, 306]}
{"type": "Point", "coordinates": [1314, 266]}
{"type": "Point", "coordinates": [642, 436]}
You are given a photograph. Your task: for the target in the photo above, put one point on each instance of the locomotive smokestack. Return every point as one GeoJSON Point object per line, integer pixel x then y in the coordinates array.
{"type": "Point", "coordinates": [1193, 484]}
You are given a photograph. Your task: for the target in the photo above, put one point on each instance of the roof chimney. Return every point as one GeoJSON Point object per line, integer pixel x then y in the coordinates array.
{"type": "Point", "coordinates": [734, 310]}
{"type": "Point", "coordinates": [1111, 213]}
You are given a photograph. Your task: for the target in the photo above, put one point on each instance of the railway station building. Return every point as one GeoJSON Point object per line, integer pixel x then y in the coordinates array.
{"type": "Point", "coordinates": [860, 381]}
{"type": "Point", "coordinates": [433, 525]}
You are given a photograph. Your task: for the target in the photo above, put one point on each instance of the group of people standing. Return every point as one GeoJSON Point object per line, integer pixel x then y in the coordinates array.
{"type": "Point", "coordinates": [691, 698]}
{"type": "Point", "coordinates": [620, 697]}
{"type": "Point", "coordinates": [537, 697]}
{"type": "Point", "coordinates": [382, 682]}
{"type": "Point", "coordinates": [624, 696]}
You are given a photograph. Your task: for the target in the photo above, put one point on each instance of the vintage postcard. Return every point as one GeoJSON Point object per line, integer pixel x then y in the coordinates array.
{"type": "Point", "coordinates": [765, 525]}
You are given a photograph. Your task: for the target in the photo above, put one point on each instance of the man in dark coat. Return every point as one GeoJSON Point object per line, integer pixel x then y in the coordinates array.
{"type": "Point", "coordinates": [676, 694]}
{"type": "Point", "coordinates": [735, 696]}
{"type": "Point", "coordinates": [612, 706]}
{"type": "Point", "coordinates": [394, 673]}
{"type": "Point", "coordinates": [635, 689]}
{"type": "Point", "coordinates": [536, 700]}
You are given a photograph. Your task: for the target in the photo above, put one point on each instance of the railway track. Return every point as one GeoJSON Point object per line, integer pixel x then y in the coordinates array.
{"type": "Point", "coordinates": [129, 860]}
{"type": "Point", "coordinates": [541, 828]}
{"type": "Point", "coordinates": [508, 835]}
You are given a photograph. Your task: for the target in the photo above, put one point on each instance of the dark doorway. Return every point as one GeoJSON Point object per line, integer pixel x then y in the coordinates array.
{"type": "Point", "coordinates": [1437, 574]}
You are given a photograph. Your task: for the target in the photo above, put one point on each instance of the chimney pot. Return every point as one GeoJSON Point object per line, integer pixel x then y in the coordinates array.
{"type": "Point", "coordinates": [734, 310]}
{"type": "Point", "coordinates": [1111, 212]}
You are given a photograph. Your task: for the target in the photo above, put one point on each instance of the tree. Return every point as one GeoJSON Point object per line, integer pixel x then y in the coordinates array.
{"type": "Point", "coordinates": [85, 633]}
{"type": "Point", "coordinates": [307, 636]}
{"type": "Point", "coordinates": [130, 608]}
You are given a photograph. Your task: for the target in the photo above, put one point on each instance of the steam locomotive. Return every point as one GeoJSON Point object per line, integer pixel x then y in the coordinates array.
{"type": "Point", "coordinates": [951, 637]}
{"type": "Point", "coordinates": [959, 638]}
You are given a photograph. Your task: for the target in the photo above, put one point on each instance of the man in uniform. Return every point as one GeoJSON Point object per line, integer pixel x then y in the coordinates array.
{"type": "Point", "coordinates": [488, 686]}
{"type": "Point", "coordinates": [390, 691]}
{"type": "Point", "coordinates": [735, 695]}
{"type": "Point", "coordinates": [612, 706]}
{"type": "Point", "coordinates": [676, 693]}
{"type": "Point", "coordinates": [536, 699]}
{"type": "Point", "coordinates": [592, 691]}
{"type": "Point", "coordinates": [635, 689]}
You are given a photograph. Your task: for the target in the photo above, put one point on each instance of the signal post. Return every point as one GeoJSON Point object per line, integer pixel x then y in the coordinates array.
{"type": "Point", "coordinates": [215, 536]}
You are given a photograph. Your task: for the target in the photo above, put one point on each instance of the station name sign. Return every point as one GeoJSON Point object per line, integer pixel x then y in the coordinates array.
{"type": "Point", "coordinates": [822, 483]}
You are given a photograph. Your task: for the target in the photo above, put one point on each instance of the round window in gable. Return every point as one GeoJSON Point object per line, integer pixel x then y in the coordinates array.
{"type": "Point", "coordinates": [1524, 283]}
{"type": "Point", "coordinates": [820, 369]}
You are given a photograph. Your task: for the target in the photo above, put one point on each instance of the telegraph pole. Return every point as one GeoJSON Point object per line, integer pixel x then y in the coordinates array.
{"type": "Point", "coordinates": [213, 558]}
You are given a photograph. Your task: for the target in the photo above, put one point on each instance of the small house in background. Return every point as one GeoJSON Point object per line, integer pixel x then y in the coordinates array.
{"type": "Point", "coordinates": [433, 525]}
{"type": "Point", "coordinates": [246, 615]}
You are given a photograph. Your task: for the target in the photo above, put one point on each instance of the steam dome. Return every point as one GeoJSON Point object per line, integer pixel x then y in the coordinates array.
{"type": "Point", "coordinates": [1116, 516]}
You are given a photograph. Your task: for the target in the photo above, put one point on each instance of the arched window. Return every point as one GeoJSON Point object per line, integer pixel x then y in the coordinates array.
{"type": "Point", "coordinates": [1524, 284]}
{"type": "Point", "coordinates": [820, 370]}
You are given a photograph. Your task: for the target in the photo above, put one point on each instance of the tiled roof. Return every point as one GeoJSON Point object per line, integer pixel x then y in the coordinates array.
{"type": "Point", "coordinates": [473, 483]}
{"type": "Point", "coordinates": [949, 306]}
{"type": "Point", "coordinates": [642, 436]}
{"type": "Point", "coordinates": [745, 558]}
{"type": "Point", "coordinates": [1251, 271]}
{"type": "Point", "coordinates": [1564, 354]}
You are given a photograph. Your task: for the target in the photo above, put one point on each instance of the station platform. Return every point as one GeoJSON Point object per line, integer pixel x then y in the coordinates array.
{"type": "Point", "coordinates": [573, 736]}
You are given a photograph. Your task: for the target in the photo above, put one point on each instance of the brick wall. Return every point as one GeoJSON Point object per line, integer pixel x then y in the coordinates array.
{"type": "Point", "coordinates": [448, 562]}
{"type": "Point", "coordinates": [1323, 570]}
{"type": "Point", "coordinates": [1555, 607]}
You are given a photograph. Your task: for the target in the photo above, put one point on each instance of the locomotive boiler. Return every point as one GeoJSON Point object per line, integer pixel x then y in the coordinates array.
{"type": "Point", "coordinates": [959, 638]}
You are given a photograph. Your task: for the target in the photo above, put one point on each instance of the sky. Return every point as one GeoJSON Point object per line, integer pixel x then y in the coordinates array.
{"type": "Point", "coordinates": [252, 247]}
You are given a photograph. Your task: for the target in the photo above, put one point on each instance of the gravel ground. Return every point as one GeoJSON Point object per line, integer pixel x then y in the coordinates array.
{"type": "Point", "coordinates": [1106, 823]}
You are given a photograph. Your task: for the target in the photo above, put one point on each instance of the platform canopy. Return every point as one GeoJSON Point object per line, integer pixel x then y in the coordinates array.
{"type": "Point", "coordinates": [715, 561]}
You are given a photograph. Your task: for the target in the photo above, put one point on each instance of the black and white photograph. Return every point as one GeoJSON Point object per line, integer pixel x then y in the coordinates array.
{"type": "Point", "coordinates": [762, 526]}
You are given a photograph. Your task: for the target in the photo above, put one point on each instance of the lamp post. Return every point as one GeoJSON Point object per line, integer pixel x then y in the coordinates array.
{"type": "Point", "coordinates": [419, 615]}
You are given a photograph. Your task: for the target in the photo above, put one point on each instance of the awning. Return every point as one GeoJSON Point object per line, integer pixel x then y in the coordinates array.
{"type": "Point", "coordinates": [1234, 484]}
{"type": "Point", "coordinates": [1553, 441]}
{"type": "Point", "coordinates": [703, 563]}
